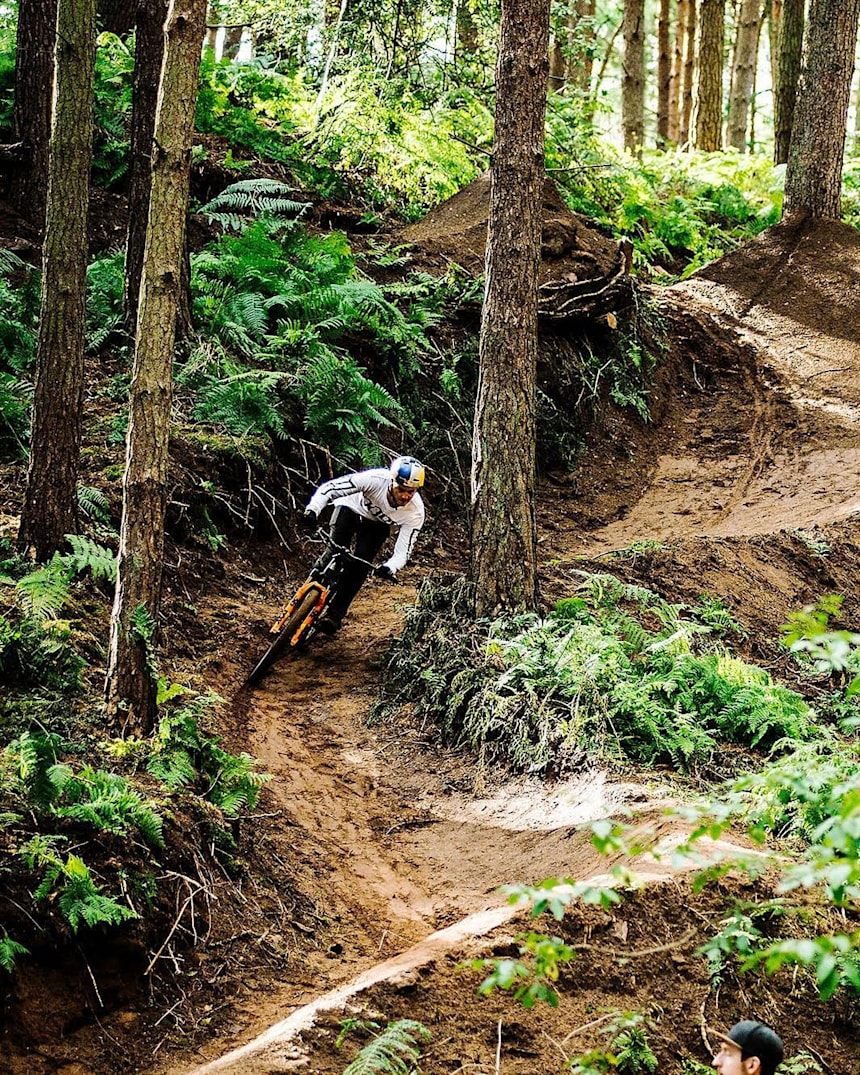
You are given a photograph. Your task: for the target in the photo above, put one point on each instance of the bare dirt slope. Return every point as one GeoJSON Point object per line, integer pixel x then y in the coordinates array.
{"type": "Point", "coordinates": [746, 485]}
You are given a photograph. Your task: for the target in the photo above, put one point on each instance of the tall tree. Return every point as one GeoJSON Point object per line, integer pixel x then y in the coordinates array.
{"type": "Point", "coordinates": [813, 177]}
{"type": "Point", "coordinates": [131, 686]}
{"type": "Point", "coordinates": [31, 118]}
{"type": "Point", "coordinates": [664, 72]}
{"type": "Point", "coordinates": [708, 92]}
{"type": "Point", "coordinates": [688, 73]}
{"type": "Point", "coordinates": [633, 75]}
{"type": "Point", "coordinates": [50, 500]}
{"type": "Point", "coordinates": [148, 54]}
{"type": "Point", "coordinates": [504, 544]}
{"type": "Point", "coordinates": [788, 58]}
{"type": "Point", "coordinates": [744, 57]}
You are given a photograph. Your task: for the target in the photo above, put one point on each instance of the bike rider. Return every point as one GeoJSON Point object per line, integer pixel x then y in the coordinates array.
{"type": "Point", "coordinates": [366, 505]}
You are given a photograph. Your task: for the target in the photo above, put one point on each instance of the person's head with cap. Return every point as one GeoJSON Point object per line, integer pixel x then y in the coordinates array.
{"type": "Point", "coordinates": [749, 1048]}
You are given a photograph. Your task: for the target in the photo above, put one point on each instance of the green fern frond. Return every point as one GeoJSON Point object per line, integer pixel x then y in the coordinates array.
{"type": "Point", "coordinates": [88, 555]}
{"type": "Point", "coordinates": [94, 503]}
{"type": "Point", "coordinates": [10, 951]}
{"type": "Point", "coordinates": [44, 591]}
{"type": "Point", "coordinates": [396, 1051]}
{"type": "Point", "coordinates": [81, 902]}
{"type": "Point", "coordinates": [252, 197]}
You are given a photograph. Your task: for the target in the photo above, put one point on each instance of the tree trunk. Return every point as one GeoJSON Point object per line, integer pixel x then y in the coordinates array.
{"type": "Point", "coordinates": [688, 79]}
{"type": "Point", "coordinates": [813, 178]}
{"type": "Point", "coordinates": [31, 117]}
{"type": "Point", "coordinates": [708, 94]}
{"type": "Point", "coordinates": [148, 53]}
{"type": "Point", "coordinates": [743, 74]}
{"type": "Point", "coordinates": [50, 501]}
{"type": "Point", "coordinates": [787, 72]}
{"type": "Point", "coordinates": [676, 76]}
{"type": "Point", "coordinates": [117, 16]}
{"type": "Point", "coordinates": [131, 682]}
{"type": "Point", "coordinates": [633, 76]}
{"type": "Point", "coordinates": [504, 545]}
{"type": "Point", "coordinates": [664, 72]}
{"type": "Point", "coordinates": [467, 42]}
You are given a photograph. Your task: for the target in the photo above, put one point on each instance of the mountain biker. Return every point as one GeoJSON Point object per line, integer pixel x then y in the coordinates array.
{"type": "Point", "coordinates": [749, 1048]}
{"type": "Point", "coordinates": [367, 505]}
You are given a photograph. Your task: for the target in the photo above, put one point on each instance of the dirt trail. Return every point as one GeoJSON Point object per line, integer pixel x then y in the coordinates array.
{"type": "Point", "coordinates": [764, 438]}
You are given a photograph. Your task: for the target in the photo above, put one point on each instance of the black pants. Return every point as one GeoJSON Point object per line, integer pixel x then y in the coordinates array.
{"type": "Point", "coordinates": [369, 537]}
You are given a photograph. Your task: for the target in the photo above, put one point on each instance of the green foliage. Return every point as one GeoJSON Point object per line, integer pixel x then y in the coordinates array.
{"type": "Point", "coordinates": [395, 1051]}
{"type": "Point", "coordinates": [114, 75]}
{"type": "Point", "coordinates": [807, 634]}
{"type": "Point", "coordinates": [104, 801]}
{"type": "Point", "coordinates": [181, 755]}
{"type": "Point", "coordinates": [10, 950]}
{"type": "Point", "coordinates": [244, 201]}
{"type": "Point", "coordinates": [615, 672]}
{"type": "Point", "coordinates": [36, 647]}
{"type": "Point", "coordinates": [72, 885]}
{"type": "Point", "coordinates": [19, 306]}
{"type": "Point", "coordinates": [277, 298]}
{"type": "Point", "coordinates": [105, 314]}
{"type": "Point", "coordinates": [529, 978]}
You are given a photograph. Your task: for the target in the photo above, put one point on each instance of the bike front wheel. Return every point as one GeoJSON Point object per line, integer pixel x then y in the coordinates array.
{"type": "Point", "coordinates": [291, 635]}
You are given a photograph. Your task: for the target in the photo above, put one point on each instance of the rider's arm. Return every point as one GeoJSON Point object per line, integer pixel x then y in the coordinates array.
{"type": "Point", "coordinates": [334, 490]}
{"type": "Point", "coordinates": [402, 548]}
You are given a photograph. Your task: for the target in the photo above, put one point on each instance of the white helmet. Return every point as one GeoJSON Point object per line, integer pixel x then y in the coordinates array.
{"type": "Point", "coordinates": [406, 472]}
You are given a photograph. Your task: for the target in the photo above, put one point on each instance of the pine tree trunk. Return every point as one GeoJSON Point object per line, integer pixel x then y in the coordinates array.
{"type": "Point", "coordinates": [131, 683]}
{"type": "Point", "coordinates": [34, 81]}
{"type": "Point", "coordinates": [743, 74]}
{"type": "Point", "coordinates": [504, 549]}
{"type": "Point", "coordinates": [148, 53]}
{"type": "Point", "coordinates": [676, 77]}
{"type": "Point", "coordinates": [788, 73]}
{"type": "Point", "coordinates": [664, 72]}
{"type": "Point", "coordinates": [633, 76]}
{"type": "Point", "coordinates": [813, 178]}
{"type": "Point", "coordinates": [50, 500]}
{"type": "Point", "coordinates": [688, 81]}
{"type": "Point", "coordinates": [708, 94]}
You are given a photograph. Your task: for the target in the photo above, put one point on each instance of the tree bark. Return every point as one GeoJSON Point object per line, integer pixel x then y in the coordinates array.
{"type": "Point", "coordinates": [131, 682]}
{"type": "Point", "coordinates": [708, 94]}
{"type": "Point", "coordinates": [50, 500]}
{"type": "Point", "coordinates": [633, 76]}
{"type": "Point", "coordinates": [31, 117]}
{"type": "Point", "coordinates": [788, 61]}
{"type": "Point", "coordinates": [504, 544]}
{"type": "Point", "coordinates": [664, 72]}
{"type": "Point", "coordinates": [688, 79]}
{"type": "Point", "coordinates": [813, 177]}
{"type": "Point", "coordinates": [743, 74]}
{"type": "Point", "coordinates": [148, 55]}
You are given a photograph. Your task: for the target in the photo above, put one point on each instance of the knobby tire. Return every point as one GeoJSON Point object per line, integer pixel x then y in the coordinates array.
{"type": "Point", "coordinates": [283, 640]}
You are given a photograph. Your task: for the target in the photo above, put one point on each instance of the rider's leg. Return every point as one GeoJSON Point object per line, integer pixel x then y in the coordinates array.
{"type": "Point", "coordinates": [369, 538]}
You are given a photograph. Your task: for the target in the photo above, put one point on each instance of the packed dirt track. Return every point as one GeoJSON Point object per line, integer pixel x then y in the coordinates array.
{"type": "Point", "coordinates": [388, 852]}
{"type": "Point", "coordinates": [747, 472]}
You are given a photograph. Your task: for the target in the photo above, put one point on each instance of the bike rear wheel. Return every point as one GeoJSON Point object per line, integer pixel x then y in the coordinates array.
{"type": "Point", "coordinates": [285, 636]}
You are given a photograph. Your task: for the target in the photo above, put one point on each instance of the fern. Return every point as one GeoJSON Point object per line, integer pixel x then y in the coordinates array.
{"type": "Point", "coordinates": [87, 555]}
{"type": "Point", "coordinates": [105, 801]}
{"type": "Point", "coordinates": [93, 503]}
{"type": "Point", "coordinates": [44, 591]}
{"type": "Point", "coordinates": [182, 755]}
{"type": "Point", "coordinates": [252, 197]}
{"type": "Point", "coordinates": [395, 1051]}
{"type": "Point", "coordinates": [10, 950]}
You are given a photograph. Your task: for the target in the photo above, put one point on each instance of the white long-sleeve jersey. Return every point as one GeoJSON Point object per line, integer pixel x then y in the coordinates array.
{"type": "Point", "coordinates": [366, 493]}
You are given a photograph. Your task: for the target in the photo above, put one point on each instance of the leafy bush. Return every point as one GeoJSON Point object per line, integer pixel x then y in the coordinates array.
{"type": "Point", "coordinates": [596, 678]}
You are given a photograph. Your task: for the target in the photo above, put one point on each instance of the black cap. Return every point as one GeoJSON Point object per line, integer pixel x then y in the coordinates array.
{"type": "Point", "coordinates": [756, 1039]}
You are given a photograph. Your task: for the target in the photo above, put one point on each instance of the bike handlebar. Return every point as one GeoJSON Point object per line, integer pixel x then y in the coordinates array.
{"type": "Point", "coordinates": [326, 539]}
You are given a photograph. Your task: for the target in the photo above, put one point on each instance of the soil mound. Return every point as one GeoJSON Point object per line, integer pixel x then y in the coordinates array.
{"type": "Point", "coordinates": [582, 271]}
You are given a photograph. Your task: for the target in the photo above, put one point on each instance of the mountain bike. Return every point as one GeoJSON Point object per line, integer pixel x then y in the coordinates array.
{"type": "Point", "coordinates": [297, 625]}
